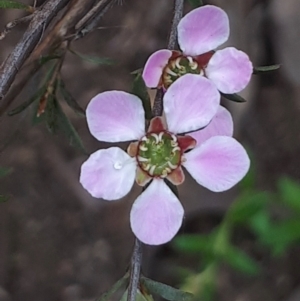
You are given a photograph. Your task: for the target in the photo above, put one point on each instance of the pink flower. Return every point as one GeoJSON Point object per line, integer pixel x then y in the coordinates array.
{"type": "Point", "coordinates": [216, 162]}
{"type": "Point", "coordinates": [199, 33]}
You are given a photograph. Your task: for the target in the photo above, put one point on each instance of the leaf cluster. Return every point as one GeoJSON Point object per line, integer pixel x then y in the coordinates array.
{"type": "Point", "coordinates": [253, 210]}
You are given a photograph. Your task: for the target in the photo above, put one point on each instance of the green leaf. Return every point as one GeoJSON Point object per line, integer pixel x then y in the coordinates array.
{"type": "Point", "coordinates": [26, 104]}
{"type": "Point", "coordinates": [290, 193]}
{"type": "Point", "coordinates": [282, 235]}
{"type": "Point", "coordinates": [261, 224]}
{"type": "Point", "coordinates": [44, 59]}
{"type": "Point", "coordinates": [15, 5]}
{"type": "Point", "coordinates": [70, 100]}
{"type": "Point", "coordinates": [247, 205]}
{"type": "Point", "coordinates": [165, 291]}
{"type": "Point", "coordinates": [121, 282]}
{"type": "Point", "coordinates": [194, 243]}
{"type": "Point", "coordinates": [196, 3]}
{"type": "Point", "coordinates": [262, 69]}
{"type": "Point", "coordinates": [234, 97]}
{"type": "Point", "coordinates": [57, 120]}
{"type": "Point", "coordinates": [93, 59]}
{"type": "Point", "coordinates": [240, 261]}
{"type": "Point", "coordinates": [140, 90]}
{"type": "Point", "coordinates": [36, 96]}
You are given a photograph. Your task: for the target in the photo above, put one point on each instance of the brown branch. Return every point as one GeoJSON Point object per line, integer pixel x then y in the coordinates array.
{"type": "Point", "coordinates": [65, 26]}
{"type": "Point", "coordinates": [13, 63]}
{"type": "Point", "coordinates": [135, 270]}
{"type": "Point", "coordinates": [90, 21]}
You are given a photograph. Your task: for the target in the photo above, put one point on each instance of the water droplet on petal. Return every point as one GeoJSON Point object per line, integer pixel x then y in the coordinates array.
{"type": "Point", "coordinates": [118, 165]}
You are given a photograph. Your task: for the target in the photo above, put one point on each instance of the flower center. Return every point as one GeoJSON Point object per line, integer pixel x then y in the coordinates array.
{"type": "Point", "coordinates": [159, 154]}
{"type": "Point", "coordinates": [179, 66]}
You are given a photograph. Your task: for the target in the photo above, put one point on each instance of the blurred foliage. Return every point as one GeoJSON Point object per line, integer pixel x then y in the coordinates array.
{"type": "Point", "coordinates": [195, 3]}
{"type": "Point", "coordinates": [273, 219]}
{"type": "Point", "coordinates": [15, 5]}
{"type": "Point", "coordinates": [46, 103]}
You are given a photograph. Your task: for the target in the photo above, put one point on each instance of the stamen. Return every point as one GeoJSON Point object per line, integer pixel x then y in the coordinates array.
{"type": "Point", "coordinates": [177, 63]}
{"type": "Point", "coordinates": [173, 143]}
{"type": "Point", "coordinates": [151, 171]}
{"type": "Point", "coordinates": [146, 167]}
{"type": "Point", "coordinates": [189, 59]}
{"type": "Point", "coordinates": [160, 136]}
{"type": "Point", "coordinates": [172, 165]}
{"type": "Point", "coordinates": [156, 137]}
{"type": "Point", "coordinates": [174, 137]}
{"type": "Point", "coordinates": [142, 159]}
{"type": "Point", "coordinates": [194, 66]}
{"type": "Point", "coordinates": [143, 148]}
{"type": "Point", "coordinates": [169, 71]}
{"type": "Point", "coordinates": [177, 148]}
{"type": "Point", "coordinates": [145, 139]}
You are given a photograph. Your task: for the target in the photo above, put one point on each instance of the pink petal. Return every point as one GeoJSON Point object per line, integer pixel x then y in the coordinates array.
{"type": "Point", "coordinates": [220, 125]}
{"type": "Point", "coordinates": [190, 103]}
{"type": "Point", "coordinates": [154, 67]}
{"type": "Point", "coordinates": [202, 30]}
{"type": "Point", "coordinates": [156, 215]}
{"type": "Point", "coordinates": [218, 164]}
{"type": "Point", "coordinates": [116, 116]}
{"type": "Point", "coordinates": [108, 173]}
{"type": "Point", "coordinates": [230, 70]}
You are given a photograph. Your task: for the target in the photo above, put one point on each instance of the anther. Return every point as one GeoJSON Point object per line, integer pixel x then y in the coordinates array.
{"type": "Point", "coordinates": [145, 139]}
{"type": "Point", "coordinates": [174, 137]}
{"type": "Point", "coordinates": [177, 63]}
{"type": "Point", "coordinates": [143, 148]}
{"type": "Point", "coordinates": [194, 66]}
{"type": "Point", "coordinates": [155, 136]}
{"type": "Point", "coordinates": [172, 166]}
{"type": "Point", "coordinates": [160, 136]}
{"type": "Point", "coordinates": [189, 59]}
{"type": "Point", "coordinates": [142, 159]}
{"type": "Point", "coordinates": [169, 71]}
{"type": "Point", "coordinates": [151, 171]}
{"type": "Point", "coordinates": [176, 148]}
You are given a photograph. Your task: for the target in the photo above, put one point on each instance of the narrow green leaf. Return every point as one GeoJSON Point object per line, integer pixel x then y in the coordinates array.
{"type": "Point", "coordinates": [121, 282]}
{"type": "Point", "coordinates": [140, 90]}
{"type": "Point", "coordinates": [262, 69]}
{"type": "Point", "coordinates": [290, 193]}
{"type": "Point", "coordinates": [93, 59]}
{"type": "Point", "coordinates": [282, 235]}
{"type": "Point", "coordinates": [44, 59]}
{"type": "Point", "coordinates": [27, 103]}
{"type": "Point", "coordinates": [15, 5]}
{"type": "Point", "coordinates": [165, 291]}
{"type": "Point", "coordinates": [247, 205]}
{"type": "Point", "coordinates": [51, 114]}
{"type": "Point", "coordinates": [261, 224]}
{"type": "Point", "coordinates": [70, 100]}
{"type": "Point", "coordinates": [36, 96]}
{"type": "Point", "coordinates": [240, 261]}
{"type": "Point", "coordinates": [196, 3]}
{"type": "Point", "coordinates": [68, 129]}
{"type": "Point", "coordinates": [234, 97]}
{"type": "Point", "coordinates": [194, 243]}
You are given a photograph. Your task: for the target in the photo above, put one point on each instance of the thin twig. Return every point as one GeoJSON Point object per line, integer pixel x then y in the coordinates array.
{"type": "Point", "coordinates": [157, 109]}
{"type": "Point", "coordinates": [90, 21]}
{"type": "Point", "coordinates": [135, 270]}
{"type": "Point", "coordinates": [9, 26]}
{"type": "Point", "coordinates": [13, 63]}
